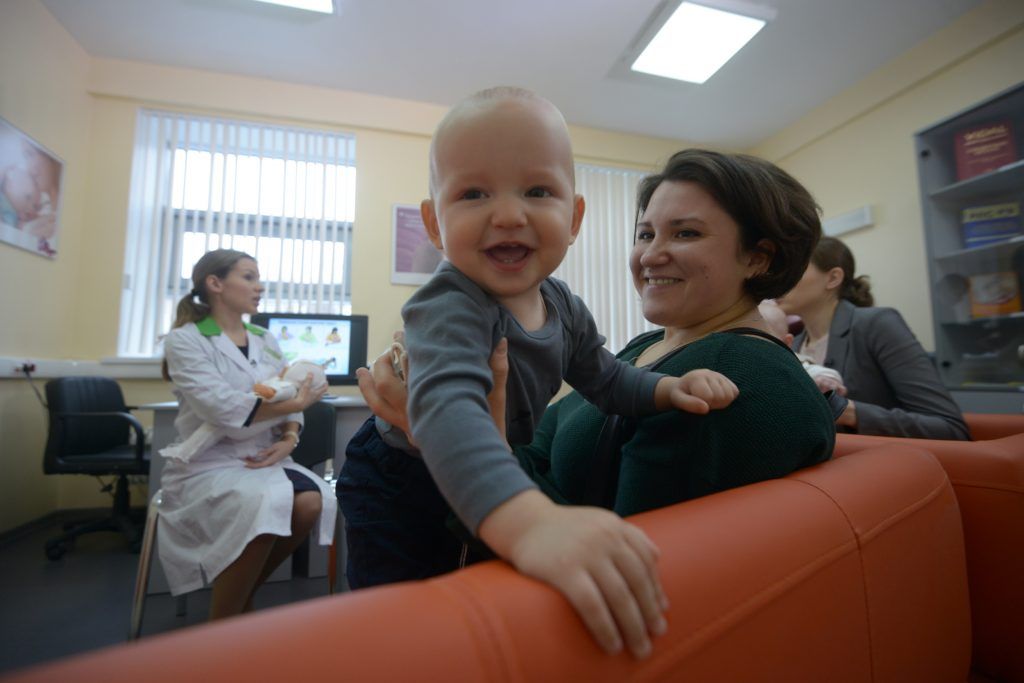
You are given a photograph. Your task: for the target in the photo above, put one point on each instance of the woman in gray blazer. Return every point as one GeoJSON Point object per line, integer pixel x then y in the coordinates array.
{"type": "Point", "coordinates": [893, 387]}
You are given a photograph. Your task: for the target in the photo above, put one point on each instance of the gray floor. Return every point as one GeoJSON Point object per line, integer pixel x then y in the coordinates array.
{"type": "Point", "coordinates": [81, 602]}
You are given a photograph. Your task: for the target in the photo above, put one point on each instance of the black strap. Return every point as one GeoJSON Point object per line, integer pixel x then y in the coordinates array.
{"type": "Point", "coordinates": [754, 332]}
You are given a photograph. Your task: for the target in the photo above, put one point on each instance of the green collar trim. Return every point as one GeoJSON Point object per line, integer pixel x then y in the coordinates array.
{"type": "Point", "coordinates": [208, 327]}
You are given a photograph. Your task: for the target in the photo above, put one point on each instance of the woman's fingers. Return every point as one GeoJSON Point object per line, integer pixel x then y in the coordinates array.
{"type": "Point", "coordinates": [379, 407]}
{"type": "Point", "coordinates": [391, 391]}
{"type": "Point", "coordinates": [499, 372]}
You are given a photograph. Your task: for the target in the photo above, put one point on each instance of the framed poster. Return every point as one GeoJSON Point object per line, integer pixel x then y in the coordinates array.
{"type": "Point", "coordinates": [30, 192]}
{"type": "Point", "coordinates": [413, 256]}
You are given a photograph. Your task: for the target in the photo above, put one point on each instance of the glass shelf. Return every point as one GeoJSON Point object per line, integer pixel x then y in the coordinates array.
{"type": "Point", "coordinates": [1008, 178]}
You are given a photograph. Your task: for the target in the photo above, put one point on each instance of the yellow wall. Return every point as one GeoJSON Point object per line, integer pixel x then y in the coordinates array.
{"type": "Point", "coordinates": [857, 149]}
{"type": "Point", "coordinates": [43, 75]}
{"type": "Point", "coordinates": [84, 109]}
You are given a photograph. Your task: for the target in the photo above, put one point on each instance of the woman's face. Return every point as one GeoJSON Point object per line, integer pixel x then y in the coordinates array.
{"type": "Point", "coordinates": [812, 289]}
{"type": "Point", "coordinates": [687, 263]}
{"type": "Point", "coordinates": [240, 291]}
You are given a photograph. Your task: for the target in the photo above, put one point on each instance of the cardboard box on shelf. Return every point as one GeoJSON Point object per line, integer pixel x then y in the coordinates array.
{"type": "Point", "coordinates": [994, 294]}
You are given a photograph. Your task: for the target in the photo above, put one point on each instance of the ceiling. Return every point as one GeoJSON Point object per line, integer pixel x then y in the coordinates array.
{"type": "Point", "coordinates": [570, 51]}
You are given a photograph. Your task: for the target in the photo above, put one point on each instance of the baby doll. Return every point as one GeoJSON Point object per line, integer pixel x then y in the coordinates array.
{"type": "Point", "coordinates": [272, 390]}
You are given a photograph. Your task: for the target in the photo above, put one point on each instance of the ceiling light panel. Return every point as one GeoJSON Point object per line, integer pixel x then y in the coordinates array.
{"type": "Point", "coordinates": [695, 42]}
{"type": "Point", "coordinates": [323, 6]}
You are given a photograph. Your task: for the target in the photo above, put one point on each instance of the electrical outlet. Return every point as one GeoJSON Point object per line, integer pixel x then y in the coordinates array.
{"type": "Point", "coordinates": [27, 367]}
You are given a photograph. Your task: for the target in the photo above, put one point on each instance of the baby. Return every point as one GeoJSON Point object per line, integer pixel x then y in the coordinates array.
{"type": "Point", "coordinates": [827, 379]}
{"type": "Point", "coordinates": [272, 390]}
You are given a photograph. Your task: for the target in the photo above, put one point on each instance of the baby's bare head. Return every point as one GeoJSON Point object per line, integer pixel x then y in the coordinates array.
{"type": "Point", "coordinates": [505, 109]}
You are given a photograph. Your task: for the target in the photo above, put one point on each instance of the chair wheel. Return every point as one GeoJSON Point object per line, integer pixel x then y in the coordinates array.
{"type": "Point", "coordinates": [55, 550]}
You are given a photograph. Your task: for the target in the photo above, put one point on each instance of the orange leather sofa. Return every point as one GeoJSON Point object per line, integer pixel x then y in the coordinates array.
{"type": "Point", "coordinates": [988, 478]}
{"type": "Point", "coordinates": [851, 571]}
{"type": "Point", "coordinates": [985, 427]}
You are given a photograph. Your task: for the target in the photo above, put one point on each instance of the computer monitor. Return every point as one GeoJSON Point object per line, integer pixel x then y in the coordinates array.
{"type": "Point", "coordinates": [338, 342]}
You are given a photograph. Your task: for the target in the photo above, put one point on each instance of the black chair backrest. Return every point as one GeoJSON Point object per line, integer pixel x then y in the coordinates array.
{"type": "Point", "coordinates": [317, 440]}
{"type": "Point", "coordinates": [70, 437]}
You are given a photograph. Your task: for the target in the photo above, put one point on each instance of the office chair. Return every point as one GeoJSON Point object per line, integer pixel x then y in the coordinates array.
{"type": "Point", "coordinates": [89, 434]}
{"type": "Point", "coordinates": [316, 445]}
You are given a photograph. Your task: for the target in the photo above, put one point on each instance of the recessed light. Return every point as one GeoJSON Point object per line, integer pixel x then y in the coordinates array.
{"type": "Point", "coordinates": [324, 6]}
{"type": "Point", "coordinates": [695, 42]}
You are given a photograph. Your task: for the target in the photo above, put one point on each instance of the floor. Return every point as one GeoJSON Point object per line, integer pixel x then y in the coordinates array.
{"type": "Point", "coordinates": [81, 602]}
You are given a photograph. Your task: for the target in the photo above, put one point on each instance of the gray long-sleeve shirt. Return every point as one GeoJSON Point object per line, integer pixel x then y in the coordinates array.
{"type": "Point", "coordinates": [451, 328]}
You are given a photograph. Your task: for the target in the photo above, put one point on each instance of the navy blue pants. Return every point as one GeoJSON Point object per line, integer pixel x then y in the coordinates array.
{"type": "Point", "coordinates": [395, 517]}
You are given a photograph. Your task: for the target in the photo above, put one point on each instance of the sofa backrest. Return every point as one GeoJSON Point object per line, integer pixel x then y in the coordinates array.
{"type": "Point", "coordinates": [988, 478]}
{"type": "Point", "coordinates": [849, 571]}
{"type": "Point", "coordinates": [985, 427]}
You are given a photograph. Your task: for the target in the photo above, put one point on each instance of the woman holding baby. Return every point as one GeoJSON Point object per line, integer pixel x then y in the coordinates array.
{"type": "Point", "coordinates": [714, 235]}
{"type": "Point", "coordinates": [234, 510]}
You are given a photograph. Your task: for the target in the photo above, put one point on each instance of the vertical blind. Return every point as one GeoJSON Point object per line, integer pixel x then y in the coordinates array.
{"type": "Point", "coordinates": [596, 267]}
{"type": "Point", "coordinates": [284, 195]}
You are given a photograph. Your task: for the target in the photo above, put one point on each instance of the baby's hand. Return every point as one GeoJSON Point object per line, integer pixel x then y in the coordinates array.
{"type": "Point", "coordinates": [701, 391]}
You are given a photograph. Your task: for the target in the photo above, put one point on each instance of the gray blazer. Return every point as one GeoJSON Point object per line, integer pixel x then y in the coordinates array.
{"type": "Point", "coordinates": [889, 376]}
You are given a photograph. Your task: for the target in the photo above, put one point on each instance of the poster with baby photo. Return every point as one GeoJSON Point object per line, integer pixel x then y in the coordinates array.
{"type": "Point", "coordinates": [30, 191]}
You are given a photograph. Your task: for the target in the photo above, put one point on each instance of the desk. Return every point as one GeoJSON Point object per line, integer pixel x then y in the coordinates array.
{"type": "Point", "coordinates": [351, 412]}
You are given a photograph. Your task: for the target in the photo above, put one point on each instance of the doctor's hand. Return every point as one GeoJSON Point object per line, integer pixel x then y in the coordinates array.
{"type": "Point", "coordinates": [277, 452]}
{"type": "Point", "coordinates": [307, 395]}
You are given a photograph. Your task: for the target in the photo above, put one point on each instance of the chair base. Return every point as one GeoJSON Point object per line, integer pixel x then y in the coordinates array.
{"type": "Point", "coordinates": [122, 519]}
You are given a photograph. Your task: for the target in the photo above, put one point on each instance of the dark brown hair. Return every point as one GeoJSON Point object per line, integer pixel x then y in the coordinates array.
{"type": "Point", "coordinates": [766, 203]}
{"type": "Point", "coordinates": [195, 306]}
{"type": "Point", "coordinates": [832, 253]}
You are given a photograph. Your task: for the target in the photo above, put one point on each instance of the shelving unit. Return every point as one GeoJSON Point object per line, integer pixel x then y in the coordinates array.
{"type": "Point", "coordinates": [980, 356]}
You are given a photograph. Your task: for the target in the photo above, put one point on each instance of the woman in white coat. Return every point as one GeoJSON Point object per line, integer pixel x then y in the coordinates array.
{"type": "Point", "coordinates": [234, 511]}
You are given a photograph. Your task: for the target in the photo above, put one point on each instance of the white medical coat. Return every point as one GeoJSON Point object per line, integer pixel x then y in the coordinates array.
{"type": "Point", "coordinates": [213, 505]}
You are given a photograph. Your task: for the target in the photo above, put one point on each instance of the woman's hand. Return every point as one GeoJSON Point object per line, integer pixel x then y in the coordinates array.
{"type": "Point", "coordinates": [384, 391]}
{"type": "Point", "coordinates": [826, 384]}
{"type": "Point", "coordinates": [386, 394]}
{"type": "Point", "coordinates": [603, 565]}
{"type": "Point", "coordinates": [277, 452]}
{"type": "Point", "coordinates": [307, 395]}
{"type": "Point", "coordinates": [849, 416]}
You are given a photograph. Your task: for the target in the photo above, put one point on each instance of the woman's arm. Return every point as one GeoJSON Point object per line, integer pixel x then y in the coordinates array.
{"type": "Point", "coordinates": [926, 409]}
{"type": "Point", "coordinates": [305, 397]}
{"type": "Point", "coordinates": [194, 373]}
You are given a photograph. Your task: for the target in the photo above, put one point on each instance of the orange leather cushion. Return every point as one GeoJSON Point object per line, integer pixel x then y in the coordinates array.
{"type": "Point", "coordinates": [988, 478]}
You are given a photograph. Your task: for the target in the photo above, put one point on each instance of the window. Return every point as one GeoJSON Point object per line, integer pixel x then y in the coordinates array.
{"type": "Point", "coordinates": [596, 267]}
{"type": "Point", "coordinates": [285, 195]}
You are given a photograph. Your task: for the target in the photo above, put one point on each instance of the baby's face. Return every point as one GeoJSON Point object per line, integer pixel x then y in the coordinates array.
{"type": "Point", "coordinates": [775, 319]}
{"type": "Point", "coordinates": [504, 208]}
{"type": "Point", "coordinates": [22, 193]}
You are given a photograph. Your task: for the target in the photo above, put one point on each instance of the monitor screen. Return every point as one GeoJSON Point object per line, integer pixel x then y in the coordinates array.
{"type": "Point", "coordinates": [337, 342]}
